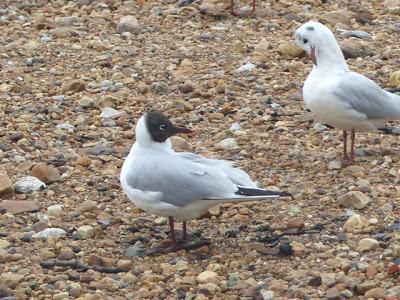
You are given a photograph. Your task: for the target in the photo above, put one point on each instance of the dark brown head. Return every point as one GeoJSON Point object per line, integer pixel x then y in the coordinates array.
{"type": "Point", "coordinates": [160, 128]}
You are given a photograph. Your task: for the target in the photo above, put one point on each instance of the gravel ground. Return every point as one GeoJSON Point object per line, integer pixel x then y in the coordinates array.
{"type": "Point", "coordinates": [76, 75]}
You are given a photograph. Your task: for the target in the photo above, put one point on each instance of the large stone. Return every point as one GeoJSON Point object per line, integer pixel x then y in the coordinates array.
{"type": "Point", "coordinates": [336, 17]}
{"type": "Point", "coordinates": [109, 112]}
{"type": "Point", "coordinates": [46, 173]}
{"type": "Point", "coordinates": [227, 144]}
{"type": "Point", "coordinates": [179, 144]}
{"type": "Point", "coordinates": [185, 70]}
{"type": "Point", "coordinates": [101, 149]}
{"type": "Point", "coordinates": [85, 232]}
{"type": "Point", "coordinates": [84, 161]}
{"type": "Point", "coordinates": [267, 295]}
{"type": "Point", "coordinates": [128, 24]}
{"type": "Point", "coordinates": [133, 251]}
{"type": "Point", "coordinates": [19, 206]}
{"type": "Point", "coordinates": [87, 206]}
{"type": "Point", "coordinates": [394, 80]}
{"type": "Point", "coordinates": [362, 288]}
{"type": "Point", "coordinates": [355, 223]}
{"type": "Point", "coordinates": [11, 279]}
{"type": "Point", "coordinates": [246, 68]}
{"type": "Point", "coordinates": [86, 102]}
{"type": "Point", "coordinates": [367, 244]}
{"type": "Point", "coordinates": [4, 244]}
{"type": "Point", "coordinates": [207, 276]}
{"type": "Point", "coordinates": [55, 210]}
{"type": "Point", "coordinates": [5, 291]}
{"type": "Point", "coordinates": [375, 293]}
{"type": "Point", "coordinates": [6, 187]}
{"type": "Point", "coordinates": [50, 232]}
{"type": "Point", "coordinates": [66, 21]}
{"type": "Point", "coordinates": [295, 223]}
{"type": "Point", "coordinates": [29, 184]}
{"type": "Point", "coordinates": [106, 101]}
{"type": "Point", "coordinates": [332, 294]}
{"type": "Point", "coordinates": [290, 49]}
{"type": "Point", "coordinates": [66, 253]}
{"type": "Point", "coordinates": [73, 86]}
{"type": "Point", "coordinates": [354, 200]}
{"type": "Point", "coordinates": [353, 48]}
{"type": "Point", "coordinates": [299, 250]}
{"type": "Point", "coordinates": [391, 3]}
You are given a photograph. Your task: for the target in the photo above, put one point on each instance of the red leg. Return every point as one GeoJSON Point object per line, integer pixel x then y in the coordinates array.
{"type": "Point", "coordinates": [345, 145]}
{"type": "Point", "coordinates": [184, 232]}
{"type": "Point", "coordinates": [345, 158]}
{"type": "Point", "coordinates": [172, 233]}
{"type": "Point", "coordinates": [254, 7]}
{"type": "Point", "coordinates": [352, 139]}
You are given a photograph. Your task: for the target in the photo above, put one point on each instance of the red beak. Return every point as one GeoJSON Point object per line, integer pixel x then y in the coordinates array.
{"type": "Point", "coordinates": [183, 130]}
{"type": "Point", "coordinates": [313, 56]}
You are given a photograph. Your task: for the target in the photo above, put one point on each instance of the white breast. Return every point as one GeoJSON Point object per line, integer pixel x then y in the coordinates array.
{"type": "Point", "coordinates": [318, 94]}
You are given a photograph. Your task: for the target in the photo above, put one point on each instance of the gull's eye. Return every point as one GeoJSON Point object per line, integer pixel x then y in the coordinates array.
{"type": "Point", "coordinates": [305, 41]}
{"type": "Point", "coordinates": [163, 126]}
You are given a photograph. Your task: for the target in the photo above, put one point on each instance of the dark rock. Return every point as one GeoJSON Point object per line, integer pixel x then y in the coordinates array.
{"type": "Point", "coordinates": [315, 281]}
{"type": "Point", "coordinates": [101, 149]}
{"type": "Point", "coordinates": [5, 291]}
{"type": "Point", "coordinates": [16, 136]}
{"type": "Point", "coordinates": [285, 249]}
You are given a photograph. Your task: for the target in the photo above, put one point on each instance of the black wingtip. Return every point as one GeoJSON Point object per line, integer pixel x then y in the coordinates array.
{"type": "Point", "coordinates": [244, 191]}
{"type": "Point", "coordinates": [390, 130]}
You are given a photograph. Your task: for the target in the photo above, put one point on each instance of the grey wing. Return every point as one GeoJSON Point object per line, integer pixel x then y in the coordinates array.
{"type": "Point", "coordinates": [180, 181]}
{"type": "Point", "coordinates": [366, 97]}
{"type": "Point", "coordinates": [236, 175]}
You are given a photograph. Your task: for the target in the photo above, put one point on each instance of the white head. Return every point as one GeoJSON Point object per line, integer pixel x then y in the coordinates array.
{"type": "Point", "coordinates": [155, 128]}
{"type": "Point", "coordinates": [318, 41]}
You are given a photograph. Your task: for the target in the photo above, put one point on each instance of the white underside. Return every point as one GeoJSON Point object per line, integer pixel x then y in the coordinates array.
{"type": "Point", "coordinates": [150, 202]}
{"type": "Point", "coordinates": [328, 109]}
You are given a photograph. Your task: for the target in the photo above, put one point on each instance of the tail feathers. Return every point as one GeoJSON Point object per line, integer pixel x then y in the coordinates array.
{"type": "Point", "coordinates": [390, 130]}
{"type": "Point", "coordinates": [245, 191]}
{"type": "Point", "coordinates": [252, 194]}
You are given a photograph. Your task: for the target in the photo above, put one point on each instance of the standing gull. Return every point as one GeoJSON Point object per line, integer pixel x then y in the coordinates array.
{"type": "Point", "coordinates": [180, 185]}
{"type": "Point", "coordinates": [338, 97]}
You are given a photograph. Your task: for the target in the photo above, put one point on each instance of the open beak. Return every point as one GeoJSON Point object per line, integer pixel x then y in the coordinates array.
{"type": "Point", "coordinates": [183, 130]}
{"type": "Point", "coordinates": [313, 56]}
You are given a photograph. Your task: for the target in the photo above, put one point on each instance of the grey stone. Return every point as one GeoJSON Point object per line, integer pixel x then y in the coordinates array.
{"type": "Point", "coordinates": [48, 232]}
{"type": "Point", "coordinates": [101, 149]}
{"type": "Point", "coordinates": [29, 184]}
{"type": "Point", "coordinates": [129, 24]}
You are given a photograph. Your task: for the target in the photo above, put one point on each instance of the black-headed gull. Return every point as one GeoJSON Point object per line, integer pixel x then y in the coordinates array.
{"type": "Point", "coordinates": [335, 95]}
{"type": "Point", "coordinates": [180, 185]}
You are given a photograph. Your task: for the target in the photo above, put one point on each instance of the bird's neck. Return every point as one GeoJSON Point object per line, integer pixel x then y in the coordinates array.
{"type": "Point", "coordinates": [147, 146]}
{"type": "Point", "coordinates": [330, 57]}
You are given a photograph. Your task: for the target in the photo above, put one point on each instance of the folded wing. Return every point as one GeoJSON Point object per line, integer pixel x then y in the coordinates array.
{"type": "Point", "coordinates": [366, 97]}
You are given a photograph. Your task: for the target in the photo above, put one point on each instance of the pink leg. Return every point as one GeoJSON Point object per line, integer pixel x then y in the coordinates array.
{"type": "Point", "coordinates": [345, 145]}
{"type": "Point", "coordinates": [352, 139]}
{"type": "Point", "coordinates": [184, 231]}
{"type": "Point", "coordinates": [172, 233]}
{"type": "Point", "coordinates": [345, 158]}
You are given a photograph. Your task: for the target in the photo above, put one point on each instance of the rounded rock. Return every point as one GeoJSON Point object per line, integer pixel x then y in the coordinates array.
{"type": "Point", "coordinates": [85, 232]}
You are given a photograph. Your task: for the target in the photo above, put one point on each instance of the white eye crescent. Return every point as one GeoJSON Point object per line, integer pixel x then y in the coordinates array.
{"type": "Point", "coordinates": [163, 126]}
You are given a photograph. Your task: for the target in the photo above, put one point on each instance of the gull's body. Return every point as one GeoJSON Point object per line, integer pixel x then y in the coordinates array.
{"type": "Point", "coordinates": [180, 185]}
{"type": "Point", "coordinates": [335, 95]}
